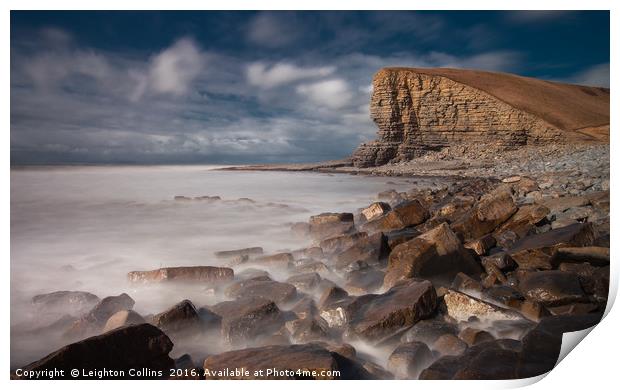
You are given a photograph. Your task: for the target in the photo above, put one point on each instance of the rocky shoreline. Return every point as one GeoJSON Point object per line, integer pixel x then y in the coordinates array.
{"type": "Point", "coordinates": [476, 279]}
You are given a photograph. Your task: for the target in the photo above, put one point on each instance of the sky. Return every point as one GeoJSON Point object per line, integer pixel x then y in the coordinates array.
{"type": "Point", "coordinates": [207, 87]}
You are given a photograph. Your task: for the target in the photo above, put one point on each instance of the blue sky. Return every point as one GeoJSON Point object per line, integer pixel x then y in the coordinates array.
{"type": "Point", "coordinates": [241, 87]}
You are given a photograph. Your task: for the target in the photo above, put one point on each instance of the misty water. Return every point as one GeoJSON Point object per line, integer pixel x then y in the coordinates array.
{"type": "Point", "coordinates": [84, 228]}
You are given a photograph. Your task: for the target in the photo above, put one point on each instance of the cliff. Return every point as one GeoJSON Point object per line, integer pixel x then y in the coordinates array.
{"type": "Point", "coordinates": [422, 110]}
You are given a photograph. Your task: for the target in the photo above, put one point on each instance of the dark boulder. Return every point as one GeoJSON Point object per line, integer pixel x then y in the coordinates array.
{"type": "Point", "coordinates": [409, 359]}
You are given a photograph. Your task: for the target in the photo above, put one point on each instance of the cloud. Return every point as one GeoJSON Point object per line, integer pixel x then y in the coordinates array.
{"type": "Point", "coordinates": [595, 76]}
{"type": "Point", "coordinates": [332, 93]}
{"type": "Point", "coordinates": [172, 70]}
{"type": "Point", "coordinates": [273, 29]}
{"type": "Point", "coordinates": [260, 75]}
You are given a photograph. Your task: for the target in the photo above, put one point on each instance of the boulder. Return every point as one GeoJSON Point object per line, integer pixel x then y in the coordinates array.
{"type": "Point", "coordinates": [252, 251]}
{"type": "Point", "coordinates": [374, 317]}
{"type": "Point", "coordinates": [524, 219]}
{"type": "Point", "coordinates": [461, 307]}
{"type": "Point", "coordinates": [375, 210]}
{"type": "Point", "coordinates": [397, 237]}
{"type": "Point", "coordinates": [428, 331]}
{"type": "Point", "coordinates": [123, 318]}
{"type": "Point", "coordinates": [308, 329]}
{"type": "Point", "coordinates": [409, 359]}
{"type": "Point", "coordinates": [595, 255]}
{"type": "Point", "coordinates": [337, 244]}
{"type": "Point", "coordinates": [281, 260]}
{"type": "Point", "coordinates": [465, 283]}
{"type": "Point", "coordinates": [436, 255]}
{"type": "Point", "coordinates": [404, 215]}
{"type": "Point", "coordinates": [561, 204]}
{"type": "Point", "coordinates": [364, 281]}
{"type": "Point", "coordinates": [182, 318]}
{"type": "Point", "coordinates": [96, 318]}
{"type": "Point", "coordinates": [300, 361]}
{"type": "Point", "coordinates": [137, 346]}
{"type": "Point", "coordinates": [450, 345]}
{"type": "Point", "coordinates": [245, 319]}
{"type": "Point", "coordinates": [552, 288]}
{"type": "Point", "coordinates": [305, 282]}
{"type": "Point", "coordinates": [488, 213]}
{"type": "Point", "coordinates": [481, 245]}
{"type": "Point", "coordinates": [330, 224]}
{"type": "Point", "coordinates": [537, 252]}
{"type": "Point", "coordinates": [473, 336]}
{"type": "Point", "coordinates": [313, 252]}
{"type": "Point", "coordinates": [268, 289]}
{"type": "Point", "coordinates": [183, 274]}
{"type": "Point", "coordinates": [74, 303]}
{"type": "Point", "coordinates": [371, 250]}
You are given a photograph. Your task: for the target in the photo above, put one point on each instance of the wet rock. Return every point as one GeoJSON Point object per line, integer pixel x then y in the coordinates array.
{"type": "Point", "coordinates": [183, 274]}
{"type": "Point", "coordinates": [305, 307]}
{"type": "Point", "coordinates": [506, 239]}
{"type": "Point", "coordinates": [338, 244]}
{"type": "Point", "coordinates": [253, 273]}
{"type": "Point", "coordinates": [397, 237]}
{"type": "Point", "coordinates": [123, 318]}
{"type": "Point", "coordinates": [558, 205]}
{"type": "Point", "coordinates": [595, 255]}
{"type": "Point", "coordinates": [332, 294]}
{"type": "Point", "coordinates": [436, 254]}
{"type": "Point", "coordinates": [450, 345]}
{"type": "Point", "coordinates": [313, 266]}
{"type": "Point", "coordinates": [465, 283]}
{"type": "Point", "coordinates": [488, 213]}
{"type": "Point", "coordinates": [330, 224]}
{"type": "Point", "coordinates": [574, 309]}
{"type": "Point", "coordinates": [404, 215]}
{"type": "Point", "coordinates": [308, 329]}
{"type": "Point", "coordinates": [281, 260]}
{"type": "Point", "coordinates": [309, 358]}
{"type": "Point", "coordinates": [537, 252]}
{"type": "Point", "coordinates": [96, 318]}
{"type": "Point", "coordinates": [409, 359]}
{"type": "Point", "coordinates": [364, 281]}
{"type": "Point", "coordinates": [268, 289]}
{"type": "Point", "coordinates": [374, 317]}
{"type": "Point", "coordinates": [504, 295]}
{"type": "Point", "coordinates": [524, 219]}
{"type": "Point", "coordinates": [250, 252]}
{"type": "Point", "coordinates": [375, 210]}
{"type": "Point", "coordinates": [552, 288]}
{"type": "Point", "coordinates": [245, 319]}
{"type": "Point", "coordinates": [501, 260]}
{"type": "Point", "coordinates": [497, 359]}
{"type": "Point", "coordinates": [461, 307]}
{"type": "Point", "coordinates": [74, 303]}
{"type": "Point", "coordinates": [472, 336]}
{"type": "Point", "coordinates": [371, 250]}
{"type": "Point", "coordinates": [136, 346]}
{"type": "Point", "coordinates": [305, 282]}
{"type": "Point", "coordinates": [180, 318]}
{"type": "Point", "coordinates": [313, 252]}
{"type": "Point", "coordinates": [481, 245]}
{"type": "Point", "coordinates": [428, 331]}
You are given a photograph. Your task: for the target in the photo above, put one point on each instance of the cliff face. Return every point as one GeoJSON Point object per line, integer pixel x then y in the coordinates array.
{"type": "Point", "coordinates": [422, 110]}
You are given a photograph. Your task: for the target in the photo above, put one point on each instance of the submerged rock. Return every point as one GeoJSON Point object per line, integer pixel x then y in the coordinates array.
{"type": "Point", "coordinates": [180, 318]}
{"type": "Point", "coordinates": [252, 251]}
{"type": "Point", "coordinates": [300, 361]}
{"type": "Point", "coordinates": [123, 318]}
{"type": "Point", "coordinates": [330, 224]}
{"type": "Point", "coordinates": [137, 346]}
{"type": "Point", "coordinates": [409, 359]}
{"type": "Point", "coordinates": [183, 274]}
{"type": "Point", "coordinates": [73, 303]}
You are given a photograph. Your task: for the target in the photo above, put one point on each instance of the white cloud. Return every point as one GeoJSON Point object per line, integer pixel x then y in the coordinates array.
{"type": "Point", "coordinates": [333, 93]}
{"type": "Point", "coordinates": [595, 76]}
{"type": "Point", "coordinates": [260, 75]}
{"type": "Point", "coordinates": [173, 70]}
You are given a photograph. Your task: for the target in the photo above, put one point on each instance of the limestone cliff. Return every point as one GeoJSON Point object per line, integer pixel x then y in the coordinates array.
{"type": "Point", "coordinates": [422, 110]}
